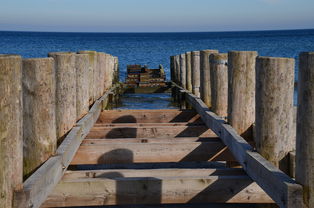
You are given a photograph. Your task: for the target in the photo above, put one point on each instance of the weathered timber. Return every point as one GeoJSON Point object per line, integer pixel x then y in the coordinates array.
{"type": "Point", "coordinates": [149, 140]}
{"type": "Point", "coordinates": [82, 84]}
{"type": "Point", "coordinates": [241, 91]}
{"type": "Point", "coordinates": [92, 68]}
{"type": "Point", "coordinates": [65, 91]}
{"type": "Point", "coordinates": [274, 137]}
{"type": "Point", "coordinates": [39, 102]}
{"type": "Point", "coordinates": [150, 132]}
{"type": "Point", "coordinates": [153, 190]}
{"type": "Point", "coordinates": [172, 72]}
{"type": "Point", "coordinates": [205, 74]}
{"type": "Point", "coordinates": [11, 120]}
{"type": "Point", "coordinates": [188, 66]}
{"type": "Point", "coordinates": [195, 61]}
{"type": "Point", "coordinates": [39, 185]}
{"type": "Point", "coordinates": [196, 123]}
{"type": "Point", "coordinates": [177, 69]}
{"type": "Point", "coordinates": [305, 126]}
{"type": "Point", "coordinates": [147, 116]}
{"type": "Point", "coordinates": [116, 153]}
{"type": "Point", "coordinates": [280, 187]}
{"type": "Point", "coordinates": [126, 173]}
{"type": "Point", "coordinates": [116, 70]}
{"type": "Point", "coordinates": [183, 70]}
{"type": "Point", "coordinates": [219, 84]}
{"type": "Point", "coordinates": [103, 75]}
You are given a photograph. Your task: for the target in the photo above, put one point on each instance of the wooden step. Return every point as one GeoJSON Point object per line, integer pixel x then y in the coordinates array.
{"type": "Point", "coordinates": [150, 132]}
{"type": "Point", "coordinates": [151, 152]}
{"type": "Point", "coordinates": [148, 116]}
{"type": "Point", "coordinates": [148, 140]}
{"type": "Point", "coordinates": [153, 190]}
{"type": "Point", "coordinates": [198, 123]}
{"type": "Point", "coordinates": [153, 165]}
{"type": "Point", "coordinates": [184, 172]}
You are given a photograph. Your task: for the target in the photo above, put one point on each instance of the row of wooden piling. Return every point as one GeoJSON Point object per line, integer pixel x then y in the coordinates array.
{"type": "Point", "coordinates": [255, 95]}
{"type": "Point", "coordinates": [41, 100]}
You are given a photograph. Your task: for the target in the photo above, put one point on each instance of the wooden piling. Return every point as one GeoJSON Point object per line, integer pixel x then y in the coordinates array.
{"type": "Point", "coordinates": [39, 129]}
{"type": "Point", "coordinates": [305, 126]}
{"type": "Point", "coordinates": [274, 109]}
{"type": "Point", "coordinates": [65, 91]}
{"type": "Point", "coordinates": [219, 83]}
{"type": "Point", "coordinates": [178, 71]}
{"type": "Point", "coordinates": [241, 91]}
{"type": "Point", "coordinates": [11, 120]}
{"type": "Point", "coordinates": [188, 71]}
{"type": "Point", "coordinates": [116, 70]}
{"type": "Point", "coordinates": [92, 70]}
{"type": "Point", "coordinates": [205, 88]}
{"type": "Point", "coordinates": [102, 73]}
{"type": "Point", "coordinates": [82, 84]}
{"type": "Point", "coordinates": [172, 73]}
{"type": "Point", "coordinates": [183, 71]}
{"type": "Point", "coordinates": [195, 60]}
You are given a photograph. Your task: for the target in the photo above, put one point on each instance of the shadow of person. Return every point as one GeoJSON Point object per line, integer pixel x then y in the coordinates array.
{"type": "Point", "coordinates": [123, 132]}
{"type": "Point", "coordinates": [130, 189]}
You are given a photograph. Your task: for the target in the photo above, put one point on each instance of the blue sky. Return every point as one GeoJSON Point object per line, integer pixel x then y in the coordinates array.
{"type": "Point", "coordinates": [155, 15]}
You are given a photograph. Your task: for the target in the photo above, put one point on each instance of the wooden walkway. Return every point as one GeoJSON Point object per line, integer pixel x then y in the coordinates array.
{"type": "Point", "coordinates": [153, 157]}
{"type": "Point", "coordinates": [157, 157]}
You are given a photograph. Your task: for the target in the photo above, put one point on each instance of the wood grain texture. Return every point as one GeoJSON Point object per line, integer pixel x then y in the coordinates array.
{"type": "Point", "coordinates": [195, 61]}
{"type": "Point", "coordinates": [305, 126]}
{"type": "Point", "coordinates": [11, 132]}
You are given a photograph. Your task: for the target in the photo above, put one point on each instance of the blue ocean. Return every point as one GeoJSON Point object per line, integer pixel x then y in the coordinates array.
{"type": "Point", "coordinates": [156, 48]}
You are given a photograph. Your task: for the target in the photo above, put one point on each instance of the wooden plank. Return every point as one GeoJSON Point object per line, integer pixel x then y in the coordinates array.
{"type": "Point", "coordinates": [152, 190]}
{"type": "Point", "coordinates": [148, 140]}
{"type": "Point", "coordinates": [147, 116]}
{"type": "Point", "coordinates": [150, 152]}
{"type": "Point", "coordinates": [183, 172]}
{"type": "Point", "coordinates": [283, 190]}
{"type": "Point", "coordinates": [147, 124]}
{"type": "Point", "coordinates": [150, 132]}
{"type": "Point", "coordinates": [38, 186]}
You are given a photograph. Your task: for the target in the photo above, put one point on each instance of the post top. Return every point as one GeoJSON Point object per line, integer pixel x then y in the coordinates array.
{"type": "Point", "coordinates": [3, 56]}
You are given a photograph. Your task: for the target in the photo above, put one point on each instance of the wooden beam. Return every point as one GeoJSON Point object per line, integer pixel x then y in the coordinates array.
{"type": "Point", "coordinates": [39, 185]}
{"type": "Point", "coordinates": [147, 116]}
{"type": "Point", "coordinates": [280, 187]}
{"type": "Point", "coordinates": [151, 152]}
{"type": "Point", "coordinates": [149, 140]}
{"type": "Point", "coordinates": [156, 190]}
{"type": "Point", "coordinates": [182, 172]}
{"type": "Point", "coordinates": [150, 132]}
{"type": "Point", "coordinates": [97, 125]}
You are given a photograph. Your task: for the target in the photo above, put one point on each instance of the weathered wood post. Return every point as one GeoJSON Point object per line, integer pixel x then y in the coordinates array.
{"type": "Point", "coordinates": [195, 57]}
{"type": "Point", "coordinates": [65, 91]}
{"type": "Point", "coordinates": [11, 120]}
{"type": "Point", "coordinates": [172, 74]}
{"type": "Point", "coordinates": [102, 73]}
{"type": "Point", "coordinates": [219, 83]}
{"type": "Point", "coordinates": [92, 68]}
{"type": "Point", "coordinates": [116, 70]}
{"type": "Point", "coordinates": [305, 128]}
{"type": "Point", "coordinates": [183, 71]}
{"type": "Point", "coordinates": [188, 71]}
{"type": "Point", "coordinates": [82, 84]}
{"type": "Point", "coordinates": [178, 71]}
{"type": "Point", "coordinates": [274, 109]}
{"type": "Point", "coordinates": [205, 91]}
{"type": "Point", "coordinates": [241, 91]}
{"type": "Point", "coordinates": [39, 104]}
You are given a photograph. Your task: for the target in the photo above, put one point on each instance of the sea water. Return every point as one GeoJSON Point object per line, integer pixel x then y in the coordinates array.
{"type": "Point", "coordinates": [156, 48]}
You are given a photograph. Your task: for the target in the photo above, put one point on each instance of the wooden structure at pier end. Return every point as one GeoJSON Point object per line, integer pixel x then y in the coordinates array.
{"type": "Point", "coordinates": [236, 139]}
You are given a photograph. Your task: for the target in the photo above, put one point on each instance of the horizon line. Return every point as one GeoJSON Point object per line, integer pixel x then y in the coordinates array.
{"type": "Point", "coordinates": [262, 30]}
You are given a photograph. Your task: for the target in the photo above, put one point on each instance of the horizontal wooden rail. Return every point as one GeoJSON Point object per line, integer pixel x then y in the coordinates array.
{"type": "Point", "coordinates": [39, 185]}
{"type": "Point", "coordinates": [280, 187]}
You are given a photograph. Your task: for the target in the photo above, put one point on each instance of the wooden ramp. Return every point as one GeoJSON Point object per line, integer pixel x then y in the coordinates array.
{"type": "Point", "coordinates": [143, 157]}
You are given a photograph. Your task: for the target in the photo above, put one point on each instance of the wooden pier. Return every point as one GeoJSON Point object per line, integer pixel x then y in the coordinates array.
{"type": "Point", "coordinates": [212, 154]}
